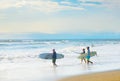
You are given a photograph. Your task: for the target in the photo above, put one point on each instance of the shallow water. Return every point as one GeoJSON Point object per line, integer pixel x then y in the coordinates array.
{"type": "Point", "coordinates": [19, 59]}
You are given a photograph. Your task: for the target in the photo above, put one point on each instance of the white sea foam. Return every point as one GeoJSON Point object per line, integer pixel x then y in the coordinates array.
{"type": "Point", "coordinates": [19, 61]}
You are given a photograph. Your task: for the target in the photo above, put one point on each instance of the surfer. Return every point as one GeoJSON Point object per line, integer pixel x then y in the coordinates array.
{"type": "Point", "coordinates": [83, 58]}
{"type": "Point", "coordinates": [88, 56]}
{"type": "Point", "coordinates": [54, 57]}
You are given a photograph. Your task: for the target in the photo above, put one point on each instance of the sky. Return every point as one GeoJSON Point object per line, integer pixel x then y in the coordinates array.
{"type": "Point", "coordinates": [30, 18]}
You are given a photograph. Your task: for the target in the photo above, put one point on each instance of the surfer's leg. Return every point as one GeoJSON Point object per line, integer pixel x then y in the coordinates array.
{"type": "Point", "coordinates": [84, 60]}
{"type": "Point", "coordinates": [81, 60]}
{"type": "Point", "coordinates": [87, 61]}
{"type": "Point", "coordinates": [91, 62]}
{"type": "Point", "coordinates": [54, 62]}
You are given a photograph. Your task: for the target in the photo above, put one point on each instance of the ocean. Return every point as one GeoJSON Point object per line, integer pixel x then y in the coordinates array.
{"type": "Point", "coordinates": [20, 61]}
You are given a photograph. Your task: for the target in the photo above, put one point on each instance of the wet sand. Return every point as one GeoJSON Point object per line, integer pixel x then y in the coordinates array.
{"type": "Point", "coordinates": [103, 76]}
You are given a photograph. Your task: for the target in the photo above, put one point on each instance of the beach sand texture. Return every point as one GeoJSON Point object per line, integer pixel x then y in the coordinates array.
{"type": "Point", "coordinates": [103, 76]}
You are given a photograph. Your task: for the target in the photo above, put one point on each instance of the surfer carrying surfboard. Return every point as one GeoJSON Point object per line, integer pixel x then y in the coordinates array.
{"type": "Point", "coordinates": [83, 58]}
{"type": "Point", "coordinates": [54, 57]}
{"type": "Point", "coordinates": [88, 56]}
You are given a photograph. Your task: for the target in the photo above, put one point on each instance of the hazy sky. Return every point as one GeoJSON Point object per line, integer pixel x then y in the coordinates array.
{"type": "Point", "coordinates": [59, 16]}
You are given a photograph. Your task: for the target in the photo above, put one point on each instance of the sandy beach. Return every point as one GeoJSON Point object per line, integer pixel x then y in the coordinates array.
{"type": "Point", "coordinates": [103, 76]}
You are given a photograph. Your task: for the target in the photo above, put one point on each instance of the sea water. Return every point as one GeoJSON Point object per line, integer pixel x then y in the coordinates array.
{"type": "Point", "coordinates": [20, 61]}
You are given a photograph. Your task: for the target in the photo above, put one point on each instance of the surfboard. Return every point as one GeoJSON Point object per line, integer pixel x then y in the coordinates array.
{"type": "Point", "coordinates": [49, 56]}
{"type": "Point", "coordinates": [92, 53]}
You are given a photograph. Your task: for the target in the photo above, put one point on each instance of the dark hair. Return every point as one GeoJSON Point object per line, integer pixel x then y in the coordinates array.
{"type": "Point", "coordinates": [88, 47]}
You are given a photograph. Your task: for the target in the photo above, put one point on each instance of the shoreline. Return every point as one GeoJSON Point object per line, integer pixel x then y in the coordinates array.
{"type": "Point", "coordinates": [113, 75]}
